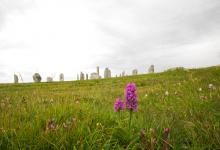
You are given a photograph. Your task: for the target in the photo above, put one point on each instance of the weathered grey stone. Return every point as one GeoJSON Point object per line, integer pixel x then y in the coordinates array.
{"type": "Point", "coordinates": [82, 77]}
{"type": "Point", "coordinates": [134, 72]}
{"type": "Point", "coordinates": [37, 77]}
{"type": "Point", "coordinates": [123, 73]}
{"type": "Point", "coordinates": [77, 76]}
{"type": "Point", "coordinates": [61, 77]}
{"type": "Point", "coordinates": [97, 70]}
{"type": "Point", "coordinates": [15, 78]}
{"type": "Point", "coordinates": [151, 69]}
{"type": "Point", "coordinates": [49, 79]}
{"type": "Point", "coordinates": [107, 73]}
{"type": "Point", "coordinates": [95, 75]}
{"type": "Point", "coordinates": [87, 76]}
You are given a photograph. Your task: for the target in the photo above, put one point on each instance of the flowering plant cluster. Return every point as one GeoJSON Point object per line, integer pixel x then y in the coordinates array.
{"type": "Point", "coordinates": [119, 105]}
{"type": "Point", "coordinates": [131, 97]}
{"type": "Point", "coordinates": [130, 102]}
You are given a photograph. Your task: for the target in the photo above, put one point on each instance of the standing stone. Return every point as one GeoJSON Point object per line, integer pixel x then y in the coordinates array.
{"type": "Point", "coordinates": [77, 76]}
{"type": "Point", "coordinates": [61, 77]}
{"type": "Point", "coordinates": [95, 75]}
{"type": "Point", "coordinates": [82, 76]}
{"type": "Point", "coordinates": [123, 74]}
{"type": "Point", "coordinates": [49, 79]}
{"type": "Point", "coordinates": [87, 76]}
{"type": "Point", "coordinates": [134, 72]}
{"type": "Point", "coordinates": [97, 70]}
{"type": "Point", "coordinates": [37, 77]}
{"type": "Point", "coordinates": [151, 69]}
{"type": "Point", "coordinates": [107, 73]}
{"type": "Point", "coordinates": [15, 78]}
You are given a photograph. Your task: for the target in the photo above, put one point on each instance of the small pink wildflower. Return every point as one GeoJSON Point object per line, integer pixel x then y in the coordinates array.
{"type": "Point", "coordinates": [118, 104]}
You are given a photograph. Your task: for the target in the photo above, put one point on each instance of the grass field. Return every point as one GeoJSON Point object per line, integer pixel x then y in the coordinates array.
{"type": "Point", "coordinates": [80, 114]}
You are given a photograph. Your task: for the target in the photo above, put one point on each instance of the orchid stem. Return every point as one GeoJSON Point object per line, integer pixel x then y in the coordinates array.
{"type": "Point", "coordinates": [130, 119]}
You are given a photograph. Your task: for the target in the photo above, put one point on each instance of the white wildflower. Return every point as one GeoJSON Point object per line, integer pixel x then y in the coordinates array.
{"type": "Point", "coordinates": [210, 86]}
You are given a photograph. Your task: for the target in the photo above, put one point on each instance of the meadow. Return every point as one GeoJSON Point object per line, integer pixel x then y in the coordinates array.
{"type": "Point", "coordinates": [80, 114]}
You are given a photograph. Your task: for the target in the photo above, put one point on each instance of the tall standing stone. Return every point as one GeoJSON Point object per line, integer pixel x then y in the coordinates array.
{"type": "Point", "coordinates": [82, 77]}
{"type": "Point", "coordinates": [134, 72]}
{"type": "Point", "coordinates": [61, 77]}
{"type": "Point", "coordinates": [107, 73]}
{"type": "Point", "coordinates": [97, 68]}
{"type": "Point", "coordinates": [15, 78]}
{"type": "Point", "coordinates": [37, 77]}
{"type": "Point", "coordinates": [151, 69]}
{"type": "Point", "coordinates": [87, 76]}
{"type": "Point", "coordinates": [77, 76]}
{"type": "Point", "coordinates": [123, 74]}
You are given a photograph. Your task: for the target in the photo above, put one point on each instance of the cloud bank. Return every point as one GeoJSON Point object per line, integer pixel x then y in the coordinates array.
{"type": "Point", "coordinates": [54, 36]}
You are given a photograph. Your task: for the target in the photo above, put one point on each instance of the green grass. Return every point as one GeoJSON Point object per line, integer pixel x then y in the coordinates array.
{"type": "Point", "coordinates": [192, 115]}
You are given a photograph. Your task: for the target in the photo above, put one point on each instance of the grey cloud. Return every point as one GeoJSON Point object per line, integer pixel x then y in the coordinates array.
{"type": "Point", "coordinates": [181, 28]}
{"type": "Point", "coordinates": [154, 32]}
{"type": "Point", "coordinates": [139, 33]}
{"type": "Point", "coordinates": [12, 6]}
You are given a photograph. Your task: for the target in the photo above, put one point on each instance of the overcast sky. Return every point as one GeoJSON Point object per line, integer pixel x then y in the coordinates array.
{"type": "Point", "coordinates": [69, 36]}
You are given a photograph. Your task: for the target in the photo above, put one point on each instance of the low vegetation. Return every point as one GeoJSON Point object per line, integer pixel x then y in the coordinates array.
{"type": "Point", "coordinates": [177, 109]}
